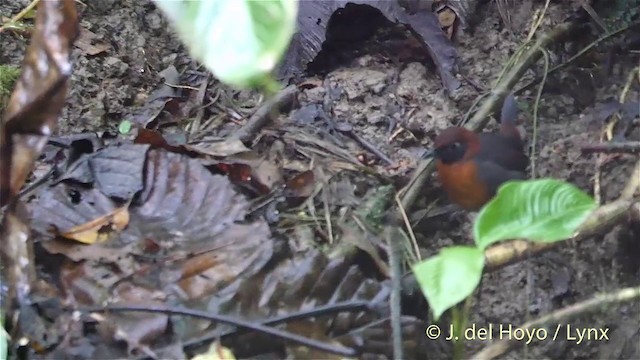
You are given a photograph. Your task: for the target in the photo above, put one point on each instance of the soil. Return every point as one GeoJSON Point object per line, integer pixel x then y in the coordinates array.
{"type": "Point", "coordinates": [374, 94]}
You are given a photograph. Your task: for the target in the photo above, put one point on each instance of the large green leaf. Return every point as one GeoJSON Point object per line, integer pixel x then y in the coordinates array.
{"type": "Point", "coordinates": [449, 277]}
{"type": "Point", "coordinates": [240, 41]}
{"type": "Point", "coordinates": [544, 210]}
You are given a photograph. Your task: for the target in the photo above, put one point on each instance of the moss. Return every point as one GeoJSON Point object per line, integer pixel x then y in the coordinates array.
{"type": "Point", "coordinates": [8, 76]}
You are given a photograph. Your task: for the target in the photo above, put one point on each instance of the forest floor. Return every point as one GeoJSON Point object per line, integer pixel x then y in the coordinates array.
{"type": "Point", "coordinates": [398, 106]}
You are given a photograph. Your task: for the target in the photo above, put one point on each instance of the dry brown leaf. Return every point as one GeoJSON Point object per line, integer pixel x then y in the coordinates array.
{"type": "Point", "coordinates": [85, 43]}
{"type": "Point", "coordinates": [100, 229]}
{"type": "Point", "coordinates": [223, 148]}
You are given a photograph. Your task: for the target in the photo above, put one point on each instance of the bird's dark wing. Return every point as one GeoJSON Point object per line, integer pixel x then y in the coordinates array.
{"type": "Point", "coordinates": [506, 152]}
{"type": "Point", "coordinates": [494, 175]}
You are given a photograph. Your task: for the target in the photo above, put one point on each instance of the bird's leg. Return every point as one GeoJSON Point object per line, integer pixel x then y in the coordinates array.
{"type": "Point", "coordinates": [470, 217]}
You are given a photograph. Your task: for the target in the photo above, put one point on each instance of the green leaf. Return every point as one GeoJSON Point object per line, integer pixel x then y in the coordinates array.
{"type": "Point", "coordinates": [544, 210]}
{"type": "Point", "coordinates": [239, 41]}
{"type": "Point", "coordinates": [449, 277]}
{"type": "Point", "coordinates": [124, 127]}
{"type": "Point", "coordinates": [3, 339]}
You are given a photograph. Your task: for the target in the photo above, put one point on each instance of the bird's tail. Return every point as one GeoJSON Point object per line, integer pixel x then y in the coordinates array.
{"type": "Point", "coordinates": [508, 117]}
{"type": "Point", "coordinates": [509, 109]}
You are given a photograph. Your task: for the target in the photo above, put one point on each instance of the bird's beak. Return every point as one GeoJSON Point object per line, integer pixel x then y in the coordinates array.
{"type": "Point", "coordinates": [428, 154]}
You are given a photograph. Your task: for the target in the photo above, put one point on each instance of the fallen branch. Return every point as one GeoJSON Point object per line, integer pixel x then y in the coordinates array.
{"type": "Point", "coordinates": [348, 130]}
{"type": "Point", "coordinates": [260, 118]}
{"type": "Point", "coordinates": [349, 306]}
{"type": "Point", "coordinates": [626, 147]}
{"type": "Point", "coordinates": [604, 217]}
{"type": "Point", "coordinates": [558, 317]}
{"type": "Point", "coordinates": [601, 219]}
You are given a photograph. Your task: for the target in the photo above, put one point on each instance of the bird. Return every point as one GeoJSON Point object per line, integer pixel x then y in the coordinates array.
{"type": "Point", "coordinates": [472, 166]}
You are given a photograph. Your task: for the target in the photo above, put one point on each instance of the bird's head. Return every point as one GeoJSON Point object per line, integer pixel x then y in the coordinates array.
{"type": "Point", "coordinates": [454, 144]}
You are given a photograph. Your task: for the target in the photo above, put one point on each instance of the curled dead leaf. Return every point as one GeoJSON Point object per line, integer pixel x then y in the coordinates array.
{"type": "Point", "coordinates": [100, 229]}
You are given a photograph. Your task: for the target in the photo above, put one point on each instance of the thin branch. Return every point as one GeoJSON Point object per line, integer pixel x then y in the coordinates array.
{"type": "Point", "coordinates": [407, 224]}
{"type": "Point", "coordinates": [395, 255]}
{"type": "Point", "coordinates": [559, 317]}
{"type": "Point", "coordinates": [536, 106]}
{"type": "Point", "coordinates": [370, 147]}
{"type": "Point", "coordinates": [626, 147]}
{"type": "Point", "coordinates": [633, 184]}
{"type": "Point", "coordinates": [260, 118]}
{"type": "Point", "coordinates": [514, 251]}
{"type": "Point", "coordinates": [227, 320]}
{"type": "Point", "coordinates": [350, 306]}
{"type": "Point", "coordinates": [20, 15]}
{"type": "Point", "coordinates": [578, 55]}
{"type": "Point", "coordinates": [601, 219]}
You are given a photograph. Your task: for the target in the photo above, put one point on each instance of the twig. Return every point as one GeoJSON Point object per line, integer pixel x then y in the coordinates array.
{"type": "Point", "coordinates": [227, 320]}
{"type": "Point", "coordinates": [538, 18]}
{"type": "Point", "coordinates": [407, 224]}
{"type": "Point", "coordinates": [578, 55]}
{"type": "Point", "coordinates": [264, 113]}
{"type": "Point", "coordinates": [350, 306]}
{"type": "Point", "coordinates": [368, 247]}
{"type": "Point", "coordinates": [38, 182]}
{"type": "Point", "coordinates": [558, 317]}
{"type": "Point", "coordinates": [597, 177]}
{"type": "Point", "coordinates": [607, 134]}
{"type": "Point", "coordinates": [626, 147]}
{"type": "Point", "coordinates": [395, 254]}
{"type": "Point", "coordinates": [195, 125]}
{"type": "Point", "coordinates": [369, 146]}
{"type": "Point", "coordinates": [536, 105]}
{"type": "Point", "coordinates": [633, 185]}
{"type": "Point", "coordinates": [594, 15]}
{"type": "Point", "coordinates": [327, 214]}
{"type": "Point", "coordinates": [20, 15]}
{"type": "Point", "coordinates": [527, 59]}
